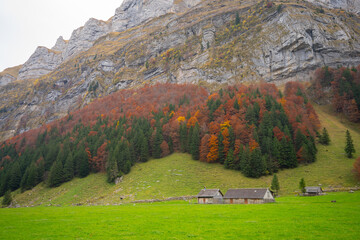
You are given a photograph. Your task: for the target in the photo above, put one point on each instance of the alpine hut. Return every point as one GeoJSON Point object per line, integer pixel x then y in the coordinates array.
{"type": "Point", "coordinates": [313, 191]}
{"type": "Point", "coordinates": [209, 196]}
{"type": "Point", "coordinates": [248, 196]}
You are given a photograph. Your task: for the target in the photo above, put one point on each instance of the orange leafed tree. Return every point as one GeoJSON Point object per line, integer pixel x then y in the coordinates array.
{"type": "Point", "coordinates": [213, 154]}
{"type": "Point", "coordinates": [204, 147]}
{"type": "Point", "coordinates": [164, 149]}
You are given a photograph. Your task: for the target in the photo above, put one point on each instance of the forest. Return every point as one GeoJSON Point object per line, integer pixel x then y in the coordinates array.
{"type": "Point", "coordinates": [255, 129]}
{"type": "Point", "coordinates": [342, 87]}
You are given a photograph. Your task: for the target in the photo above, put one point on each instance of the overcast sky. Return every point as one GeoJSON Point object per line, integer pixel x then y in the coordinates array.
{"type": "Point", "coordinates": [26, 24]}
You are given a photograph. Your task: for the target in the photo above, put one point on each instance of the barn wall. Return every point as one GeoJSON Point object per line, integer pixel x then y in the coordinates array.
{"type": "Point", "coordinates": [207, 200]}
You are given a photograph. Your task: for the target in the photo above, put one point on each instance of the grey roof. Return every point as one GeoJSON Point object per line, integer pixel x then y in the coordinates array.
{"type": "Point", "coordinates": [257, 193]}
{"type": "Point", "coordinates": [209, 193]}
{"type": "Point", "coordinates": [313, 189]}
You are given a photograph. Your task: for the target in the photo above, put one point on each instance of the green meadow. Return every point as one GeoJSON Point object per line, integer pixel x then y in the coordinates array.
{"type": "Point", "coordinates": [289, 218]}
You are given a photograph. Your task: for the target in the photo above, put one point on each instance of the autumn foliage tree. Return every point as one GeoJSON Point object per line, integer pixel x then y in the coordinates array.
{"type": "Point", "coordinates": [255, 129]}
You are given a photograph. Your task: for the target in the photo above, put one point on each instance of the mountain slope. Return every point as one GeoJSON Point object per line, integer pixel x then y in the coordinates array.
{"type": "Point", "coordinates": [179, 175]}
{"type": "Point", "coordinates": [203, 44]}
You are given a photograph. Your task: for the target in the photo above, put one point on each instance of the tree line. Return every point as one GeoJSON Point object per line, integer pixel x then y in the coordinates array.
{"type": "Point", "coordinates": [254, 129]}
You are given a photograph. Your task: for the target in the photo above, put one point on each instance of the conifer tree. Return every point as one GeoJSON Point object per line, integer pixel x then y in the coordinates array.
{"type": "Point", "coordinates": [7, 198]}
{"type": "Point", "coordinates": [275, 186]}
{"type": "Point", "coordinates": [302, 185]}
{"type": "Point", "coordinates": [144, 150]}
{"type": "Point", "coordinates": [112, 170]}
{"type": "Point", "coordinates": [183, 137]}
{"type": "Point", "coordinates": [15, 176]}
{"type": "Point", "coordinates": [81, 158]}
{"type": "Point", "coordinates": [237, 19]}
{"type": "Point", "coordinates": [56, 174]}
{"type": "Point", "coordinates": [349, 148]}
{"type": "Point", "coordinates": [221, 148]}
{"type": "Point", "coordinates": [324, 137]}
{"type": "Point", "coordinates": [156, 150]}
{"type": "Point", "coordinates": [195, 143]}
{"type": "Point", "coordinates": [69, 168]}
{"type": "Point", "coordinates": [229, 162]}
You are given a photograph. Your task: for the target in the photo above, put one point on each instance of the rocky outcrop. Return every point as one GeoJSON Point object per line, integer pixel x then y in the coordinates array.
{"type": "Point", "coordinates": [307, 41]}
{"type": "Point", "coordinates": [83, 38]}
{"type": "Point", "coordinates": [60, 45]}
{"type": "Point", "coordinates": [41, 62]}
{"type": "Point", "coordinates": [348, 5]}
{"type": "Point", "coordinates": [134, 12]}
{"type": "Point", "coordinates": [6, 78]}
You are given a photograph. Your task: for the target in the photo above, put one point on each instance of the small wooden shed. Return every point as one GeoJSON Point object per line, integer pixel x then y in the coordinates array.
{"type": "Point", "coordinates": [210, 196]}
{"type": "Point", "coordinates": [313, 191]}
{"type": "Point", "coordinates": [248, 196]}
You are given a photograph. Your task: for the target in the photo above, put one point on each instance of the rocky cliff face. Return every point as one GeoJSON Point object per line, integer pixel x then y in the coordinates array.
{"type": "Point", "coordinates": [166, 41]}
{"type": "Point", "coordinates": [41, 62]}
{"type": "Point", "coordinates": [348, 5]}
{"type": "Point", "coordinates": [131, 13]}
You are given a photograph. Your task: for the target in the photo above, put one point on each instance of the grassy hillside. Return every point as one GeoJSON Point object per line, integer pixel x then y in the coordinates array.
{"type": "Point", "coordinates": [179, 175]}
{"type": "Point", "coordinates": [288, 218]}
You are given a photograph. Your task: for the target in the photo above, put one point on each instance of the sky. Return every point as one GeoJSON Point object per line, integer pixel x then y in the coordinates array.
{"type": "Point", "coordinates": [26, 24]}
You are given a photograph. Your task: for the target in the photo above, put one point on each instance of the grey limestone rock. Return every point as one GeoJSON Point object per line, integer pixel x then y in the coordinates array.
{"type": "Point", "coordinates": [41, 62]}
{"type": "Point", "coordinates": [83, 38]}
{"type": "Point", "coordinates": [60, 44]}
{"type": "Point", "coordinates": [348, 5]}
{"type": "Point", "coordinates": [7, 78]}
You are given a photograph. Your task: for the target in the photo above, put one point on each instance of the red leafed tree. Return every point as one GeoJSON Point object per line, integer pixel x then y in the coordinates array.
{"type": "Point", "coordinates": [278, 133]}
{"type": "Point", "coordinates": [164, 149]}
{"type": "Point", "coordinates": [204, 147]}
{"type": "Point", "coordinates": [98, 162]}
{"type": "Point", "coordinates": [253, 145]}
{"type": "Point", "coordinates": [213, 154]}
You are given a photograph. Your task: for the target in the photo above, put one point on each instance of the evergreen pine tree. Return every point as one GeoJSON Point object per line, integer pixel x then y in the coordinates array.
{"type": "Point", "coordinates": [69, 168]}
{"type": "Point", "coordinates": [349, 148]}
{"type": "Point", "coordinates": [157, 142]}
{"type": "Point", "coordinates": [81, 158]}
{"type": "Point", "coordinates": [7, 198]}
{"type": "Point", "coordinates": [23, 184]}
{"type": "Point", "coordinates": [324, 137]}
{"type": "Point", "coordinates": [257, 164]}
{"type": "Point", "coordinates": [32, 179]}
{"type": "Point", "coordinates": [236, 105]}
{"type": "Point", "coordinates": [299, 140]}
{"type": "Point", "coordinates": [229, 162]}
{"type": "Point", "coordinates": [302, 185]}
{"type": "Point", "coordinates": [56, 174]}
{"type": "Point", "coordinates": [275, 186]}
{"type": "Point", "coordinates": [15, 176]}
{"type": "Point", "coordinates": [112, 170]}
{"type": "Point", "coordinates": [144, 150]}
{"type": "Point", "coordinates": [125, 163]}
{"type": "Point", "coordinates": [237, 19]}
{"type": "Point", "coordinates": [195, 143]}
{"type": "Point", "coordinates": [221, 148]}
{"type": "Point", "coordinates": [183, 137]}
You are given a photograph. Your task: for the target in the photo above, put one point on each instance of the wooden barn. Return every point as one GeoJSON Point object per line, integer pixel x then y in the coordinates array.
{"type": "Point", "coordinates": [313, 191]}
{"type": "Point", "coordinates": [210, 196]}
{"type": "Point", "coordinates": [248, 196]}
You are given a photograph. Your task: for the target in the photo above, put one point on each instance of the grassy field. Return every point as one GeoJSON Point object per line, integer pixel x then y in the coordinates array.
{"type": "Point", "coordinates": [179, 175]}
{"type": "Point", "coordinates": [288, 218]}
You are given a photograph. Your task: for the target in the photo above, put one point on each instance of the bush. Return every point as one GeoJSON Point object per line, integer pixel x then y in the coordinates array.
{"type": "Point", "coordinates": [7, 199]}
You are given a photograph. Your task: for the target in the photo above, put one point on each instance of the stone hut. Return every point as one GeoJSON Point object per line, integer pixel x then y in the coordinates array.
{"type": "Point", "coordinates": [210, 196]}
{"type": "Point", "coordinates": [313, 191]}
{"type": "Point", "coordinates": [248, 196]}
